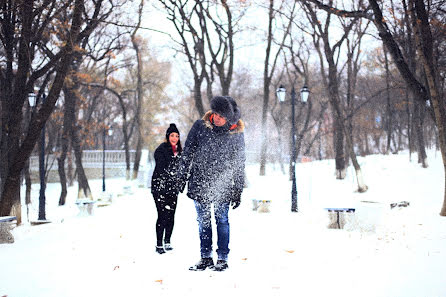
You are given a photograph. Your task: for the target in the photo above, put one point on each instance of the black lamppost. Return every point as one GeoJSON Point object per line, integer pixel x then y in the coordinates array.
{"type": "Point", "coordinates": [42, 198]}
{"type": "Point", "coordinates": [281, 94]}
{"type": "Point", "coordinates": [32, 98]}
{"type": "Point", "coordinates": [110, 133]}
{"type": "Point", "coordinates": [32, 103]}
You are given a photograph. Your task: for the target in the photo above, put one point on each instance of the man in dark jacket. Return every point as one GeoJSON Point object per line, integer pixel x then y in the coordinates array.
{"type": "Point", "coordinates": [213, 163]}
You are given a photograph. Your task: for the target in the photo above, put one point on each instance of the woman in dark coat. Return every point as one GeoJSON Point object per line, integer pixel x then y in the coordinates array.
{"type": "Point", "coordinates": [164, 189]}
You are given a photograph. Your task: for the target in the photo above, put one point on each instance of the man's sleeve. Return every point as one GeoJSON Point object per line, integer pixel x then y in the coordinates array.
{"type": "Point", "coordinates": [239, 164]}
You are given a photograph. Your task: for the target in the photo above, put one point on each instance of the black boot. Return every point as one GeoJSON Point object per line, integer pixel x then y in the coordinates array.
{"type": "Point", "coordinates": [220, 266]}
{"type": "Point", "coordinates": [159, 249]}
{"type": "Point", "coordinates": [202, 264]}
{"type": "Point", "coordinates": [167, 247]}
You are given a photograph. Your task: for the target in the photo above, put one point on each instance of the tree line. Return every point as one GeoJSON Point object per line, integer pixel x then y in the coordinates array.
{"type": "Point", "coordinates": [376, 72]}
{"type": "Point", "coordinates": [81, 63]}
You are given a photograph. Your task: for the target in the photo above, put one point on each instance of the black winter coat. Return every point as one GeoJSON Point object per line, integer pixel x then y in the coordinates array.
{"type": "Point", "coordinates": [164, 174]}
{"type": "Point", "coordinates": [213, 161]}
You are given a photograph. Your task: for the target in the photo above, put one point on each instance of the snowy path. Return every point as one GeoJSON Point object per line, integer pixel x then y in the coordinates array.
{"type": "Point", "coordinates": [272, 254]}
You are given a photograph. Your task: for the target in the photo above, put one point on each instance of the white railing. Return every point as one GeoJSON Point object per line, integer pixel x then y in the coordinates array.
{"type": "Point", "coordinates": [90, 159]}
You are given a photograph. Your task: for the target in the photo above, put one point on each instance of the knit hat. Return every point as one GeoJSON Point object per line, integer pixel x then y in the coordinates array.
{"type": "Point", "coordinates": [172, 128]}
{"type": "Point", "coordinates": [227, 108]}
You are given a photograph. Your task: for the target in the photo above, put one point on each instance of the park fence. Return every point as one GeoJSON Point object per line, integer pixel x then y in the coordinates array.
{"type": "Point", "coordinates": [115, 165]}
{"type": "Point", "coordinates": [93, 161]}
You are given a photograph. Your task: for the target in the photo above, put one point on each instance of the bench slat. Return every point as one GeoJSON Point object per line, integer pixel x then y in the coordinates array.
{"type": "Point", "coordinates": [340, 209]}
{"type": "Point", "coordinates": [8, 219]}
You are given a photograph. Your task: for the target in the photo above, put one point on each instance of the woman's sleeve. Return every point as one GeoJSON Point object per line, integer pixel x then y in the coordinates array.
{"type": "Point", "coordinates": [161, 159]}
{"type": "Point", "coordinates": [188, 153]}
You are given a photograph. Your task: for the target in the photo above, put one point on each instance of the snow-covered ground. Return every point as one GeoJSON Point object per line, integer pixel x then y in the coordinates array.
{"type": "Point", "coordinates": [396, 252]}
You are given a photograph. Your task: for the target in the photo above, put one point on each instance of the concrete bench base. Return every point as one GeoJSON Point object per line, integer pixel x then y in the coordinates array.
{"type": "Point", "coordinates": [337, 217]}
{"type": "Point", "coordinates": [261, 205]}
{"type": "Point", "coordinates": [6, 225]}
{"type": "Point", "coordinates": [106, 197]}
{"type": "Point", "coordinates": [86, 207]}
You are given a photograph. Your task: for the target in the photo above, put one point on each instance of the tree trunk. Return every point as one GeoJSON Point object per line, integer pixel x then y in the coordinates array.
{"type": "Point", "coordinates": [338, 139]}
{"type": "Point", "coordinates": [11, 189]}
{"type": "Point", "coordinates": [389, 106]}
{"type": "Point", "coordinates": [264, 130]}
{"type": "Point", "coordinates": [333, 89]}
{"type": "Point", "coordinates": [84, 190]}
{"type": "Point", "coordinates": [419, 133]}
{"type": "Point", "coordinates": [62, 178]}
{"type": "Point", "coordinates": [139, 145]}
{"type": "Point", "coordinates": [68, 121]}
{"type": "Point", "coordinates": [71, 99]}
{"type": "Point", "coordinates": [70, 169]}
{"type": "Point", "coordinates": [266, 86]}
{"type": "Point", "coordinates": [140, 93]}
{"type": "Point", "coordinates": [12, 103]}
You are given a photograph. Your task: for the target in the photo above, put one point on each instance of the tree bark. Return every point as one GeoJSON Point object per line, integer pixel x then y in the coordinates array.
{"type": "Point", "coordinates": [388, 106]}
{"type": "Point", "coordinates": [68, 120]}
{"type": "Point", "coordinates": [338, 139]}
{"type": "Point", "coordinates": [84, 190]}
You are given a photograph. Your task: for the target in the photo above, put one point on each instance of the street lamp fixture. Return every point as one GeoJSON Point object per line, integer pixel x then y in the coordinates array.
{"type": "Point", "coordinates": [304, 93]}
{"type": "Point", "coordinates": [32, 99]}
{"type": "Point", "coordinates": [281, 93]}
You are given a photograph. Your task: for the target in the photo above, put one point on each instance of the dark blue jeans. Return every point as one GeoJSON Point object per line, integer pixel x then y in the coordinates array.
{"type": "Point", "coordinates": [221, 210]}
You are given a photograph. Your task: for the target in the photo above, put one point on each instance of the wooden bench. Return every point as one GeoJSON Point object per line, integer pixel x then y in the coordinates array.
{"type": "Point", "coordinates": [336, 216]}
{"type": "Point", "coordinates": [6, 225]}
{"type": "Point", "coordinates": [85, 206]}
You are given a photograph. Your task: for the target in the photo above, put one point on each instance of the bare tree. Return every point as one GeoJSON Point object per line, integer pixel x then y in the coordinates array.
{"type": "Point", "coordinates": [72, 129]}
{"type": "Point", "coordinates": [206, 30]}
{"type": "Point", "coordinates": [425, 92]}
{"type": "Point", "coordinates": [23, 24]}
{"type": "Point", "coordinates": [269, 67]}
{"type": "Point", "coordinates": [181, 17]}
{"type": "Point", "coordinates": [331, 53]}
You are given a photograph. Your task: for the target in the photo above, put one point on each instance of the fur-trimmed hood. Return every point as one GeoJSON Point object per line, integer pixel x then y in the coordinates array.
{"type": "Point", "coordinates": [240, 125]}
{"type": "Point", "coordinates": [227, 108]}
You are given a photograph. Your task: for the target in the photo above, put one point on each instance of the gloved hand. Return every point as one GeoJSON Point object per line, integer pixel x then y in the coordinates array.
{"type": "Point", "coordinates": [236, 199]}
{"type": "Point", "coordinates": [181, 184]}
